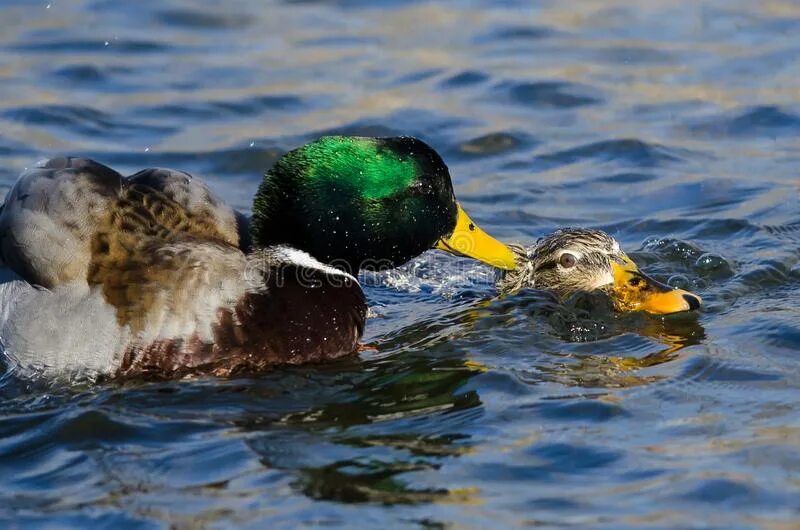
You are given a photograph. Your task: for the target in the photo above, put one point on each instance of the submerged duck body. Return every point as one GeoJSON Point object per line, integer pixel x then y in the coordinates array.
{"type": "Point", "coordinates": [152, 274]}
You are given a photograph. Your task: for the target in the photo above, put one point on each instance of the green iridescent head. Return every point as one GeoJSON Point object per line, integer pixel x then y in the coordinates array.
{"type": "Point", "coordinates": [358, 202]}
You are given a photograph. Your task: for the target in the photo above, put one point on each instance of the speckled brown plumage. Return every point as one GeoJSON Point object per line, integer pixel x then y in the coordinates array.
{"type": "Point", "coordinates": [128, 258]}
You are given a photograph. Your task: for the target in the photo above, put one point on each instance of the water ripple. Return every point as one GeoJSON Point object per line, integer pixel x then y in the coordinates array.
{"type": "Point", "coordinates": [493, 144]}
{"type": "Point", "coordinates": [62, 46]}
{"type": "Point", "coordinates": [516, 33]}
{"type": "Point", "coordinates": [202, 20]}
{"type": "Point", "coordinates": [464, 79]}
{"type": "Point", "coordinates": [546, 94]}
{"type": "Point", "coordinates": [628, 150]}
{"type": "Point", "coordinates": [769, 121]}
{"type": "Point", "coordinates": [224, 109]}
{"type": "Point", "coordinates": [84, 121]}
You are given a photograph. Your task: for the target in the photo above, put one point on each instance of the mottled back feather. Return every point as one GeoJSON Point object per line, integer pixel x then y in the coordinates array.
{"type": "Point", "coordinates": [72, 219]}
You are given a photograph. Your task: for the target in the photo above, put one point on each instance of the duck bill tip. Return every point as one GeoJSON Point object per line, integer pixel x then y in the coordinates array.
{"type": "Point", "coordinates": [469, 240]}
{"type": "Point", "coordinates": [635, 291]}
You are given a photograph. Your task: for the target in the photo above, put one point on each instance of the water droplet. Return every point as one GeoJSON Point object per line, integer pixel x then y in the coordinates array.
{"type": "Point", "coordinates": [105, 43]}
{"type": "Point", "coordinates": [651, 242]}
{"type": "Point", "coordinates": [47, 7]}
{"type": "Point", "coordinates": [146, 149]}
{"type": "Point", "coordinates": [680, 281]}
{"type": "Point", "coordinates": [713, 265]}
{"type": "Point", "coordinates": [252, 144]}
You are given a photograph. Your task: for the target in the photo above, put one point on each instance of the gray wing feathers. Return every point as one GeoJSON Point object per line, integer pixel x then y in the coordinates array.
{"type": "Point", "coordinates": [49, 216]}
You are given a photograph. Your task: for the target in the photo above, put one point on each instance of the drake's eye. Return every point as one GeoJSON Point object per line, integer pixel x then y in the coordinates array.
{"type": "Point", "coordinates": [567, 260]}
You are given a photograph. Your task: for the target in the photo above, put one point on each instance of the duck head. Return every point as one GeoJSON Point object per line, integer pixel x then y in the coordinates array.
{"type": "Point", "coordinates": [579, 259]}
{"type": "Point", "coordinates": [367, 203]}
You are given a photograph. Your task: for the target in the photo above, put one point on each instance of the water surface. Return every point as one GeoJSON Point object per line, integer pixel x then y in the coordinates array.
{"type": "Point", "coordinates": [675, 126]}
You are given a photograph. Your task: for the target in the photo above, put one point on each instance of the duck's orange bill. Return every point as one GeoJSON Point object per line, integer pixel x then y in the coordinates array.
{"type": "Point", "coordinates": [635, 291]}
{"type": "Point", "coordinates": [469, 240]}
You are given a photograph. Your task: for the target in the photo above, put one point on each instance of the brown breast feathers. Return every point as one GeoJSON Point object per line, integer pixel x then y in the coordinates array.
{"type": "Point", "coordinates": [298, 315]}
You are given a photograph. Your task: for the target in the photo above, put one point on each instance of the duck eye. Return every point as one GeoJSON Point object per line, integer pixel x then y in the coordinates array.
{"type": "Point", "coordinates": [567, 260]}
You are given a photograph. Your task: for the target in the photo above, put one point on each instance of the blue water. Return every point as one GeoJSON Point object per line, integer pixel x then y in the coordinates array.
{"type": "Point", "coordinates": [673, 125]}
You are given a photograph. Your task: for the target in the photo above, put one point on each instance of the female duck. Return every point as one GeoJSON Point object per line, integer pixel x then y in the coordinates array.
{"type": "Point", "coordinates": [582, 259]}
{"type": "Point", "coordinates": [153, 274]}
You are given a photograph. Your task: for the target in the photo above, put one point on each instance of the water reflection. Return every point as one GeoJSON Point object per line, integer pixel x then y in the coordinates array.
{"type": "Point", "coordinates": [606, 349]}
{"type": "Point", "coordinates": [395, 421]}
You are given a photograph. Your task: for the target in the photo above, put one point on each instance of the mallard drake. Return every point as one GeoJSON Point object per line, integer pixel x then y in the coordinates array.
{"type": "Point", "coordinates": [580, 259]}
{"type": "Point", "coordinates": [153, 274]}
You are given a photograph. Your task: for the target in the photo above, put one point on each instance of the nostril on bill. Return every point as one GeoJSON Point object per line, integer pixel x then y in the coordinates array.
{"type": "Point", "coordinates": [693, 301]}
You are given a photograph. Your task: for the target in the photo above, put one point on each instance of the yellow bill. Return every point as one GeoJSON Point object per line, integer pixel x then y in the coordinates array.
{"type": "Point", "coordinates": [469, 240]}
{"type": "Point", "coordinates": [635, 291]}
